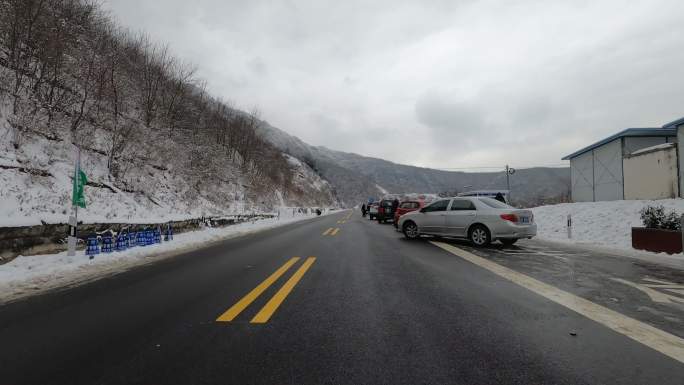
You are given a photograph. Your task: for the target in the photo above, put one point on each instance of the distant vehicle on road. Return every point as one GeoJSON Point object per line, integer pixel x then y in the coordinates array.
{"type": "Point", "coordinates": [373, 210]}
{"type": "Point", "coordinates": [407, 207]}
{"type": "Point", "coordinates": [482, 220]}
{"type": "Point", "coordinates": [385, 211]}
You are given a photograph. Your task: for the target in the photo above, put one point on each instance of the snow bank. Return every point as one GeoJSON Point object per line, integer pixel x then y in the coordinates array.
{"type": "Point", "coordinates": [598, 223]}
{"type": "Point", "coordinates": [26, 275]}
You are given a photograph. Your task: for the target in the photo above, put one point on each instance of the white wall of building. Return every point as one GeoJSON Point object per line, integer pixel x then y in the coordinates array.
{"type": "Point", "coordinates": [608, 171]}
{"type": "Point", "coordinates": [651, 175]}
{"type": "Point", "coordinates": [582, 177]}
{"type": "Point", "coordinates": [680, 152]}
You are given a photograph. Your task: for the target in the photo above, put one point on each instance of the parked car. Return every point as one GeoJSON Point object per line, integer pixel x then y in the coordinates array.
{"type": "Point", "coordinates": [373, 210]}
{"type": "Point", "coordinates": [385, 211]}
{"type": "Point", "coordinates": [407, 207]}
{"type": "Point", "coordinates": [482, 220]}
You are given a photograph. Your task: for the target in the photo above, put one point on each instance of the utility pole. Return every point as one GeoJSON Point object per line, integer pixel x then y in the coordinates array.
{"type": "Point", "coordinates": [508, 182]}
{"type": "Point", "coordinates": [509, 171]}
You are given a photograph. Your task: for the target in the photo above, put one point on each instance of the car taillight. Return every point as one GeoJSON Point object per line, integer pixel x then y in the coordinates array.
{"type": "Point", "coordinates": [509, 217]}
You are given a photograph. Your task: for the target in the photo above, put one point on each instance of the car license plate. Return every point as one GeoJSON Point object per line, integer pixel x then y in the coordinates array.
{"type": "Point", "coordinates": [524, 220]}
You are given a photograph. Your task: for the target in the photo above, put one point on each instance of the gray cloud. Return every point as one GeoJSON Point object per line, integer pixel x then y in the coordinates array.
{"type": "Point", "coordinates": [258, 65]}
{"type": "Point", "coordinates": [325, 123]}
{"type": "Point", "coordinates": [524, 82]}
{"type": "Point", "coordinates": [450, 124]}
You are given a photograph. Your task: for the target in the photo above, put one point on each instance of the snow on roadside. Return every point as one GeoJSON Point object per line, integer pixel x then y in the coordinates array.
{"type": "Point", "coordinates": [27, 275]}
{"type": "Point", "coordinates": [597, 223]}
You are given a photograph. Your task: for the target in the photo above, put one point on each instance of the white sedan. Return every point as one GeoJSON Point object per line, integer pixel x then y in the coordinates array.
{"type": "Point", "coordinates": [481, 220]}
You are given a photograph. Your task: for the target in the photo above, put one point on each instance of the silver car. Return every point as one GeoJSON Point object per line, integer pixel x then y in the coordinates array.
{"type": "Point", "coordinates": [481, 220]}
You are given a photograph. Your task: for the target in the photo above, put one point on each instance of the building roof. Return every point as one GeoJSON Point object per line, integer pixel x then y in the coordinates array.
{"type": "Point", "coordinates": [629, 132]}
{"type": "Point", "coordinates": [675, 123]}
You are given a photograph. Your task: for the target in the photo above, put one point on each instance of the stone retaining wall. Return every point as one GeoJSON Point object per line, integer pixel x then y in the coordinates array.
{"type": "Point", "coordinates": [51, 238]}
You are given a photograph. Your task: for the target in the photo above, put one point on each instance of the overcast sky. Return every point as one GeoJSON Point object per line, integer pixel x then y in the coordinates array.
{"type": "Point", "coordinates": [444, 84]}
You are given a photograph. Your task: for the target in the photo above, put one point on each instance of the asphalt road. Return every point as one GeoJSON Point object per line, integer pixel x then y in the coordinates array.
{"type": "Point", "coordinates": [361, 305]}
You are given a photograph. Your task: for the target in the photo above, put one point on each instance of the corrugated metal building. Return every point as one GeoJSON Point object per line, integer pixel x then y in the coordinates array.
{"type": "Point", "coordinates": [678, 126]}
{"type": "Point", "coordinates": [596, 171]}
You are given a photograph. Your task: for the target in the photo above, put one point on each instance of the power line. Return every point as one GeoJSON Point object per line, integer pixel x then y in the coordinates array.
{"type": "Point", "coordinates": [550, 165]}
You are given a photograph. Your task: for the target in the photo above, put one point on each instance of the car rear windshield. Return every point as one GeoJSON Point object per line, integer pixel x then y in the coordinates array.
{"type": "Point", "coordinates": [493, 203]}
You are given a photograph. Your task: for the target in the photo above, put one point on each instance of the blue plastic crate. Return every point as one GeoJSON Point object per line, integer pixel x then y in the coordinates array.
{"type": "Point", "coordinates": [92, 246]}
{"type": "Point", "coordinates": [107, 246]}
{"type": "Point", "coordinates": [142, 238]}
{"type": "Point", "coordinates": [121, 242]}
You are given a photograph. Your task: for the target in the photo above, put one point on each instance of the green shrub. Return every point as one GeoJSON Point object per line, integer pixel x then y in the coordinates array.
{"type": "Point", "coordinates": [655, 217]}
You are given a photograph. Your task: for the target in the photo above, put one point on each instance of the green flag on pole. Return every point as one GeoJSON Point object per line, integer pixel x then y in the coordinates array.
{"type": "Point", "coordinates": [78, 199]}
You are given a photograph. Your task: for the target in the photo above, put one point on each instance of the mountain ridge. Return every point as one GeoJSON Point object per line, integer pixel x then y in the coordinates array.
{"type": "Point", "coordinates": [356, 177]}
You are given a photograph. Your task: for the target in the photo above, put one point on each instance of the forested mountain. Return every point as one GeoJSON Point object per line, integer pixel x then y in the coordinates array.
{"type": "Point", "coordinates": [357, 177]}
{"type": "Point", "coordinates": [149, 131]}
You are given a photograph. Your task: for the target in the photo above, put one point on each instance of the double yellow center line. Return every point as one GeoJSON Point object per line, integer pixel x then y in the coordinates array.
{"type": "Point", "coordinates": [345, 219]}
{"type": "Point", "coordinates": [272, 305]}
{"type": "Point", "coordinates": [331, 231]}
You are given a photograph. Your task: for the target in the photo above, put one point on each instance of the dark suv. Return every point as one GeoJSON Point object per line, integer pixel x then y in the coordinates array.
{"type": "Point", "coordinates": [385, 211]}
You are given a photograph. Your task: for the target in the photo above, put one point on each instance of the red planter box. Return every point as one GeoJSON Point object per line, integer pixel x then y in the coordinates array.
{"type": "Point", "coordinates": [657, 240]}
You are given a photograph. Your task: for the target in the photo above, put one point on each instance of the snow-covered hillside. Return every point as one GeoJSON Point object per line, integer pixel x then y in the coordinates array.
{"type": "Point", "coordinates": [598, 223]}
{"type": "Point", "coordinates": [36, 182]}
{"type": "Point", "coordinates": [35, 185]}
{"type": "Point", "coordinates": [155, 145]}
{"type": "Point", "coordinates": [308, 185]}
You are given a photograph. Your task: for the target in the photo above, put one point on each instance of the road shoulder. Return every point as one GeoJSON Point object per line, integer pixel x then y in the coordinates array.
{"type": "Point", "coordinates": [33, 275]}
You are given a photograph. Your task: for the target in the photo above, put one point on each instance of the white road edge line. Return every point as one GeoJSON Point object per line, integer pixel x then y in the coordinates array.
{"type": "Point", "coordinates": [661, 341]}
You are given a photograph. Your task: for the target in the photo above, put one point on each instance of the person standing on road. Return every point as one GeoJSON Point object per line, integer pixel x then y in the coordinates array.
{"type": "Point", "coordinates": [395, 204]}
{"type": "Point", "coordinates": [499, 197]}
{"type": "Point", "coordinates": [363, 209]}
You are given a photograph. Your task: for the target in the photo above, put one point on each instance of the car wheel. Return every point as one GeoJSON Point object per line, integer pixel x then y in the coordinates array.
{"type": "Point", "coordinates": [411, 230]}
{"type": "Point", "coordinates": [479, 236]}
{"type": "Point", "coordinates": [509, 241]}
